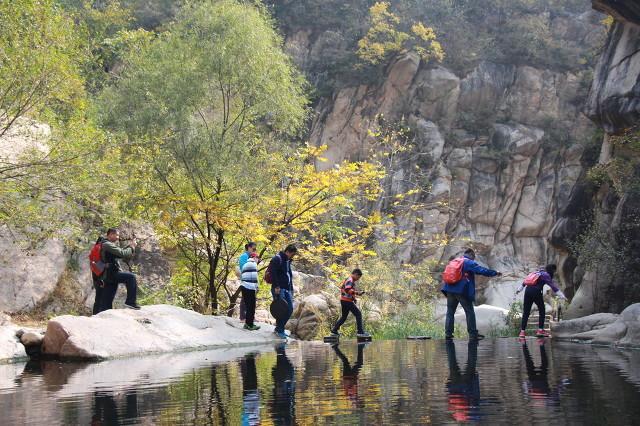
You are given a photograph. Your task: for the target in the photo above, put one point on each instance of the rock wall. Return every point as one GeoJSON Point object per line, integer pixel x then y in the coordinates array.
{"type": "Point", "coordinates": [502, 147]}
{"type": "Point", "coordinates": [614, 104]}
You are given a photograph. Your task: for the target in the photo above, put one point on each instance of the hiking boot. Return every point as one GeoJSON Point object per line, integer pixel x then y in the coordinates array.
{"type": "Point", "coordinates": [251, 327]}
{"type": "Point", "coordinates": [334, 334]}
{"type": "Point", "coordinates": [522, 334]}
{"type": "Point", "coordinates": [448, 337]}
{"type": "Point", "coordinates": [281, 335]}
{"type": "Point", "coordinates": [476, 337]}
{"type": "Point", "coordinates": [364, 334]}
{"type": "Point", "coordinates": [542, 333]}
{"type": "Point", "coordinates": [132, 306]}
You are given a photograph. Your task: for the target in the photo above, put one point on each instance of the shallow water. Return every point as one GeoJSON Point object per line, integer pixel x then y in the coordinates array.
{"type": "Point", "coordinates": [386, 382]}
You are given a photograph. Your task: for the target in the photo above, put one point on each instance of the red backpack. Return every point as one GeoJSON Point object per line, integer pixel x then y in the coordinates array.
{"type": "Point", "coordinates": [95, 259]}
{"type": "Point", "coordinates": [532, 278]}
{"type": "Point", "coordinates": [453, 271]}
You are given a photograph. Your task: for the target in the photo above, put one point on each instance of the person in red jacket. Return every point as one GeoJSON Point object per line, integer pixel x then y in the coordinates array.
{"type": "Point", "coordinates": [348, 295]}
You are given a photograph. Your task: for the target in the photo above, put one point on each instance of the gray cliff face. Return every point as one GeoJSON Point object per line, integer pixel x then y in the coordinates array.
{"type": "Point", "coordinates": [52, 278]}
{"type": "Point", "coordinates": [614, 101]}
{"type": "Point", "coordinates": [608, 284]}
{"type": "Point", "coordinates": [502, 147]}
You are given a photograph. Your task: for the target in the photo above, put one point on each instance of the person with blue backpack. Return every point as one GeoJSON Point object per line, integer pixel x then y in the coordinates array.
{"type": "Point", "coordinates": [460, 288]}
{"type": "Point", "coordinates": [534, 284]}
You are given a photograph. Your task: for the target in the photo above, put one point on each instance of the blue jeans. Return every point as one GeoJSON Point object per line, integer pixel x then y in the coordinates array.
{"type": "Point", "coordinates": [452, 304]}
{"type": "Point", "coordinates": [286, 296]}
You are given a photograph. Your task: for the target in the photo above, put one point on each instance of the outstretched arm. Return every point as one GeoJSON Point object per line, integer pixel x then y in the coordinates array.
{"type": "Point", "coordinates": [473, 266]}
{"type": "Point", "coordinates": [546, 278]}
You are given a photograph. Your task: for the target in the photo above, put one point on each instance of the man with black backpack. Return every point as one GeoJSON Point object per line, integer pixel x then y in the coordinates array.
{"type": "Point", "coordinates": [280, 276]}
{"type": "Point", "coordinates": [113, 274]}
{"type": "Point", "coordinates": [460, 288]}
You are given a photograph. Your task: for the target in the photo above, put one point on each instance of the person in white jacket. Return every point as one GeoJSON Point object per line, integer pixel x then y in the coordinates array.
{"type": "Point", "coordinates": [249, 288]}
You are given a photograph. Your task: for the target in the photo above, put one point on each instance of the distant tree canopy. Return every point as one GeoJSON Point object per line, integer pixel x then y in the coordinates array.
{"type": "Point", "coordinates": [383, 38]}
{"type": "Point", "coordinates": [518, 32]}
{"type": "Point", "coordinates": [44, 175]}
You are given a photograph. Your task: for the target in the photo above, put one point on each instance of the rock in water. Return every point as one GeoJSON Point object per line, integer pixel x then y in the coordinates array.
{"type": "Point", "coordinates": [604, 329]}
{"type": "Point", "coordinates": [10, 347]}
{"type": "Point", "coordinates": [31, 338]}
{"type": "Point", "coordinates": [153, 329]}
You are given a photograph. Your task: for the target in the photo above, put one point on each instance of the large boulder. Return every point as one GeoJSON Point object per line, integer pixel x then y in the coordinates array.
{"type": "Point", "coordinates": [311, 312]}
{"type": "Point", "coordinates": [153, 329]}
{"type": "Point", "coordinates": [488, 318]}
{"type": "Point", "coordinates": [604, 328]}
{"type": "Point", "coordinates": [28, 275]}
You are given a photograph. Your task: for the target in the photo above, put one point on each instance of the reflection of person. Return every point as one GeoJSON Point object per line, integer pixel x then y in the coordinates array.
{"type": "Point", "coordinates": [250, 393]}
{"type": "Point", "coordinates": [350, 374]}
{"type": "Point", "coordinates": [463, 389]}
{"type": "Point", "coordinates": [283, 401]}
{"type": "Point", "coordinates": [537, 386]}
{"type": "Point", "coordinates": [105, 410]}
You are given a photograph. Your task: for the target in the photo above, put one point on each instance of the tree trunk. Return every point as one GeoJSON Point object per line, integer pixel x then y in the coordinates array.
{"type": "Point", "coordinates": [213, 266]}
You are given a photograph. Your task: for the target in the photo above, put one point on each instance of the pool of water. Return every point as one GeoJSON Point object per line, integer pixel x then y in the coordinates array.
{"type": "Point", "coordinates": [385, 382]}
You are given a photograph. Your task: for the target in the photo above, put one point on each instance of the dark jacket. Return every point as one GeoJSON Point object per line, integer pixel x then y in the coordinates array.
{"type": "Point", "coordinates": [111, 255]}
{"type": "Point", "coordinates": [281, 274]}
{"type": "Point", "coordinates": [467, 285]}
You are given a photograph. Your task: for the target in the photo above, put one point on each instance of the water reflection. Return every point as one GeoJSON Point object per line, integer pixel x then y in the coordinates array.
{"type": "Point", "coordinates": [250, 392]}
{"type": "Point", "coordinates": [284, 388]}
{"type": "Point", "coordinates": [105, 409]}
{"type": "Point", "coordinates": [536, 387]}
{"type": "Point", "coordinates": [463, 387]}
{"type": "Point", "coordinates": [350, 374]}
{"type": "Point", "coordinates": [493, 382]}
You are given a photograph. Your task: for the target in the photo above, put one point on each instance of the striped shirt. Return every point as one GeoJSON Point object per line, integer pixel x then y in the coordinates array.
{"type": "Point", "coordinates": [348, 291]}
{"type": "Point", "coordinates": [249, 277]}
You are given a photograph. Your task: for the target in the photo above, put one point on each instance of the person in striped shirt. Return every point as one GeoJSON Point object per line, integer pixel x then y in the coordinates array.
{"type": "Point", "coordinates": [348, 293]}
{"type": "Point", "coordinates": [249, 288]}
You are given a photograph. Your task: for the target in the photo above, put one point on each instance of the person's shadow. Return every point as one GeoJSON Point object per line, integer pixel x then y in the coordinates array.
{"type": "Point", "coordinates": [537, 387]}
{"type": "Point", "coordinates": [463, 387]}
{"type": "Point", "coordinates": [350, 374]}
{"type": "Point", "coordinates": [283, 401]}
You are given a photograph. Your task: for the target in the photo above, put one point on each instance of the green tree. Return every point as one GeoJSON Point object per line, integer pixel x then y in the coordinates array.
{"type": "Point", "coordinates": [51, 149]}
{"type": "Point", "coordinates": [40, 57]}
{"type": "Point", "coordinates": [198, 105]}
